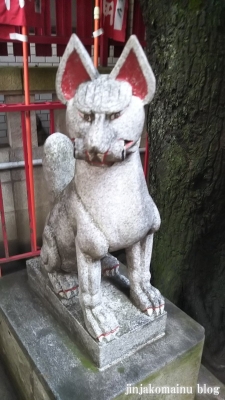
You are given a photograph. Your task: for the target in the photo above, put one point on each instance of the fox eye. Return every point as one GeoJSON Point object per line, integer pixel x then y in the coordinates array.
{"type": "Point", "coordinates": [87, 117]}
{"type": "Point", "coordinates": [113, 116]}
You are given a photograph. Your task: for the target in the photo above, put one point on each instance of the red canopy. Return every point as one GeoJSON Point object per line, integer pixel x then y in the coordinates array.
{"type": "Point", "coordinates": [115, 19]}
{"type": "Point", "coordinates": [20, 13]}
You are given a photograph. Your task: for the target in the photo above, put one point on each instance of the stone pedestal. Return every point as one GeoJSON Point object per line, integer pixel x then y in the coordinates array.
{"type": "Point", "coordinates": [46, 364]}
{"type": "Point", "coordinates": [135, 328]}
{"type": "Point", "coordinates": [6, 390]}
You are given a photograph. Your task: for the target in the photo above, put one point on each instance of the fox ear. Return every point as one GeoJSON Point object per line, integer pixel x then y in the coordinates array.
{"type": "Point", "coordinates": [134, 68]}
{"type": "Point", "coordinates": [75, 68]}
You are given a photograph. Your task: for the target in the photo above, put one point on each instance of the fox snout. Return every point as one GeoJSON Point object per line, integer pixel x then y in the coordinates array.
{"type": "Point", "coordinates": [98, 137]}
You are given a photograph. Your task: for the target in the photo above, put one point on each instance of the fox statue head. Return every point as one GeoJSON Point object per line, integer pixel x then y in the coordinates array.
{"type": "Point", "coordinates": [105, 113]}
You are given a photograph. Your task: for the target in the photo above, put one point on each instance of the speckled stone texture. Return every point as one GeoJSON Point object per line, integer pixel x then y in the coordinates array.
{"type": "Point", "coordinates": [46, 364]}
{"type": "Point", "coordinates": [107, 206]}
{"type": "Point", "coordinates": [136, 328]}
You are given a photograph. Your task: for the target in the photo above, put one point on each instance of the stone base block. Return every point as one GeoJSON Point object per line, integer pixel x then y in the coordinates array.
{"type": "Point", "coordinates": [6, 390]}
{"type": "Point", "coordinates": [136, 328]}
{"type": "Point", "coordinates": [46, 364]}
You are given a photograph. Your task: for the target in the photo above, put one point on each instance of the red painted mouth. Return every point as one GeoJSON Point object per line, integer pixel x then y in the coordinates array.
{"type": "Point", "coordinates": [113, 155]}
{"type": "Point", "coordinates": [95, 160]}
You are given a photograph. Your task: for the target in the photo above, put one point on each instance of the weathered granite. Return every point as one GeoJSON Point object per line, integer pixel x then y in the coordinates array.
{"type": "Point", "coordinates": [136, 328]}
{"type": "Point", "coordinates": [107, 206]}
{"type": "Point", "coordinates": [46, 364]}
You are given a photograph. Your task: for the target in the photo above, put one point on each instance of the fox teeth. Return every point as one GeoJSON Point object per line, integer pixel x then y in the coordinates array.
{"type": "Point", "coordinates": [100, 156]}
{"type": "Point", "coordinates": [68, 294]}
{"type": "Point", "coordinates": [157, 311]}
{"type": "Point", "coordinates": [149, 311]}
{"type": "Point", "coordinates": [90, 156]}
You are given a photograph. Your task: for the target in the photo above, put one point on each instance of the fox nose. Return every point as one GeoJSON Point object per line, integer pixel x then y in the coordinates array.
{"type": "Point", "coordinates": [98, 138]}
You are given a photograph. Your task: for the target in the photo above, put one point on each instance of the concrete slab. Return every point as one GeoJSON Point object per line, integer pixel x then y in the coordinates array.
{"type": "Point", "coordinates": [45, 364]}
{"type": "Point", "coordinates": [136, 328]}
{"type": "Point", "coordinates": [6, 390]}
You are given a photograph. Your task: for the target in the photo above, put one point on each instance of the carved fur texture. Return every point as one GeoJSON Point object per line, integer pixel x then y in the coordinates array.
{"type": "Point", "coordinates": [104, 205]}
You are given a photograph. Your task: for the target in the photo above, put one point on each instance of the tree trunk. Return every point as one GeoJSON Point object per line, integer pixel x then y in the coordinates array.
{"type": "Point", "coordinates": [186, 124]}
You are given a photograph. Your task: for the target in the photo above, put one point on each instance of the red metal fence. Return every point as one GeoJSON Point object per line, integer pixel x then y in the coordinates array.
{"type": "Point", "coordinates": [22, 108]}
{"type": "Point", "coordinates": [62, 18]}
{"type": "Point", "coordinates": [58, 26]}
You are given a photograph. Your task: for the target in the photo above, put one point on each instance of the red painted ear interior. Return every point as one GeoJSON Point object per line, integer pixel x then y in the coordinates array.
{"type": "Point", "coordinates": [132, 73]}
{"type": "Point", "coordinates": [74, 74]}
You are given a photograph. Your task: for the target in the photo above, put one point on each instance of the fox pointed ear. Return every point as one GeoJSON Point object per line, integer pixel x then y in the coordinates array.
{"type": "Point", "coordinates": [75, 68]}
{"type": "Point", "coordinates": [134, 68]}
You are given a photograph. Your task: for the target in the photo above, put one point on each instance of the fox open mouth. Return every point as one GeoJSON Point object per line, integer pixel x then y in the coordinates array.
{"type": "Point", "coordinates": [117, 153]}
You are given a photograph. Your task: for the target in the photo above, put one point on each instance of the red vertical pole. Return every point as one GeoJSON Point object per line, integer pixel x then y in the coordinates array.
{"type": "Point", "coordinates": [24, 137]}
{"type": "Point", "coordinates": [29, 164]}
{"type": "Point", "coordinates": [52, 122]}
{"type": "Point", "coordinates": [4, 233]}
{"type": "Point", "coordinates": [47, 16]}
{"type": "Point", "coordinates": [146, 159]}
{"type": "Point", "coordinates": [84, 21]}
{"type": "Point", "coordinates": [104, 45]}
{"type": "Point", "coordinates": [96, 27]}
{"type": "Point", "coordinates": [138, 23]}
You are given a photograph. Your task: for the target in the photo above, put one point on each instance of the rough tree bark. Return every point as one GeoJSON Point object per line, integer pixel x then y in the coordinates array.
{"type": "Point", "coordinates": [186, 124]}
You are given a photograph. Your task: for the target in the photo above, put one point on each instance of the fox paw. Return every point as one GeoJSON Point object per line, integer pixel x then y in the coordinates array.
{"type": "Point", "coordinates": [64, 285]}
{"type": "Point", "coordinates": [101, 324]}
{"type": "Point", "coordinates": [149, 300]}
{"type": "Point", "coordinates": [110, 265]}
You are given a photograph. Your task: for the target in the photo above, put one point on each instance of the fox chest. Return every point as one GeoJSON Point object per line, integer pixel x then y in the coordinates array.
{"type": "Point", "coordinates": [122, 210]}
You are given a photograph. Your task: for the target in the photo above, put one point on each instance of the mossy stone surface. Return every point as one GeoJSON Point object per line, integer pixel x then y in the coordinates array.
{"type": "Point", "coordinates": [47, 364]}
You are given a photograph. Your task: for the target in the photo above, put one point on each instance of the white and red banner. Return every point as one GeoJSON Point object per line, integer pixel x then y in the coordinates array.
{"type": "Point", "coordinates": [115, 19]}
{"type": "Point", "coordinates": [20, 13]}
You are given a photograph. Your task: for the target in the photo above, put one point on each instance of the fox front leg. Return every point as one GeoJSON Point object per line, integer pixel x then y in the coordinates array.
{"type": "Point", "coordinates": [147, 298]}
{"type": "Point", "coordinates": [99, 321]}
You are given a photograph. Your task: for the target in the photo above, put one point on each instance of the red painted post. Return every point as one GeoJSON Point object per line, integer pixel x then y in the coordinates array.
{"type": "Point", "coordinates": [84, 24]}
{"type": "Point", "coordinates": [4, 233]}
{"type": "Point", "coordinates": [28, 186]}
{"type": "Point", "coordinates": [47, 16]}
{"type": "Point", "coordinates": [138, 23]}
{"type": "Point", "coordinates": [96, 27]}
{"type": "Point", "coordinates": [64, 18]}
{"type": "Point", "coordinates": [20, 256]}
{"type": "Point", "coordinates": [146, 159]}
{"type": "Point", "coordinates": [52, 122]}
{"type": "Point", "coordinates": [28, 161]}
{"type": "Point", "coordinates": [104, 42]}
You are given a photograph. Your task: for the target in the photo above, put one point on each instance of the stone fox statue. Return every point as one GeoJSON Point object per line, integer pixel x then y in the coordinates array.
{"type": "Point", "coordinates": [106, 206]}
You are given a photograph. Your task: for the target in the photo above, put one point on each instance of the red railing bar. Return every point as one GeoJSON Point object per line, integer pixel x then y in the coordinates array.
{"type": "Point", "coordinates": [47, 17]}
{"type": "Point", "coordinates": [31, 107]}
{"type": "Point", "coordinates": [4, 233]}
{"type": "Point", "coordinates": [52, 40]}
{"type": "Point", "coordinates": [20, 256]}
{"type": "Point", "coordinates": [23, 125]}
{"type": "Point", "coordinates": [47, 40]}
{"type": "Point", "coordinates": [68, 18]}
{"type": "Point", "coordinates": [96, 27]}
{"type": "Point", "coordinates": [60, 23]}
{"type": "Point", "coordinates": [146, 159]}
{"type": "Point", "coordinates": [57, 40]}
{"type": "Point", "coordinates": [52, 122]}
{"type": "Point", "coordinates": [28, 160]}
